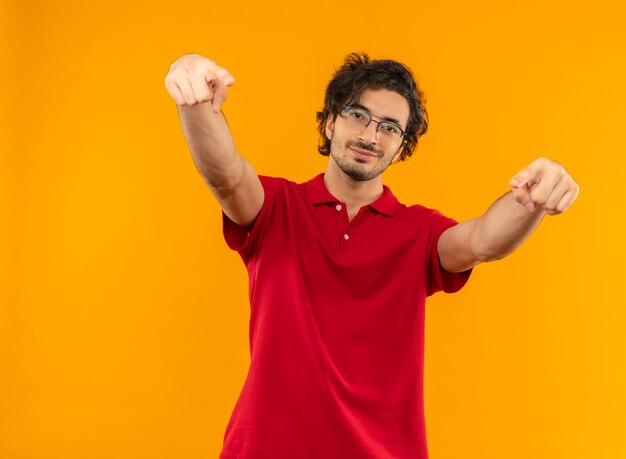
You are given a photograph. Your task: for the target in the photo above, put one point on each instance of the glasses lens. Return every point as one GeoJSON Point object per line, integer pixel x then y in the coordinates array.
{"type": "Point", "coordinates": [357, 116]}
{"type": "Point", "coordinates": [390, 129]}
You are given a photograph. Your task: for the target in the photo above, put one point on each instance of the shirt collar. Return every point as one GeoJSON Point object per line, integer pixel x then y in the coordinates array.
{"type": "Point", "coordinates": [319, 194]}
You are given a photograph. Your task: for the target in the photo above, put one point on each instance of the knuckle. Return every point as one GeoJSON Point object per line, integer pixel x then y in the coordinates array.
{"type": "Point", "coordinates": [189, 67]}
{"type": "Point", "coordinates": [197, 66]}
{"type": "Point", "coordinates": [538, 198]}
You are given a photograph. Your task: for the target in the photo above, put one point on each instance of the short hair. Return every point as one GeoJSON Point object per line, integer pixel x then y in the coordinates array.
{"type": "Point", "coordinates": [359, 73]}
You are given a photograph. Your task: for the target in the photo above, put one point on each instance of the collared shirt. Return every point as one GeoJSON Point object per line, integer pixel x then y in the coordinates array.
{"type": "Point", "coordinates": [336, 325]}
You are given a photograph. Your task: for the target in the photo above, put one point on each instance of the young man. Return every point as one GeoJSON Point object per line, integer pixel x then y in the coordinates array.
{"type": "Point", "coordinates": [339, 269]}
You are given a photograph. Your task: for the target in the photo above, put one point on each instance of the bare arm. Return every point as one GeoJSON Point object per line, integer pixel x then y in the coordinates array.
{"type": "Point", "coordinates": [544, 187]}
{"type": "Point", "coordinates": [199, 88]}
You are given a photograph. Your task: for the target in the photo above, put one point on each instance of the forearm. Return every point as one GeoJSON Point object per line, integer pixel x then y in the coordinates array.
{"type": "Point", "coordinates": [544, 187]}
{"type": "Point", "coordinates": [211, 144]}
{"type": "Point", "coordinates": [503, 228]}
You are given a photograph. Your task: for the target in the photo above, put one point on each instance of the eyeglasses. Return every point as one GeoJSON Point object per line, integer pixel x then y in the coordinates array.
{"type": "Point", "coordinates": [358, 118]}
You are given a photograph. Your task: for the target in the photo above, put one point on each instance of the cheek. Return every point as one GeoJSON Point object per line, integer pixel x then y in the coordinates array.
{"type": "Point", "coordinates": [335, 138]}
{"type": "Point", "coordinates": [335, 142]}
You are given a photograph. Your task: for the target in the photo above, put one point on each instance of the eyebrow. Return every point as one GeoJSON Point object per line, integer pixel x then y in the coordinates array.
{"type": "Point", "coordinates": [386, 118]}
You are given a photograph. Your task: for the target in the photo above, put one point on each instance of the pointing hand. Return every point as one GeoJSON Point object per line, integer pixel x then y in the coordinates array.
{"type": "Point", "coordinates": [194, 79]}
{"type": "Point", "coordinates": [546, 184]}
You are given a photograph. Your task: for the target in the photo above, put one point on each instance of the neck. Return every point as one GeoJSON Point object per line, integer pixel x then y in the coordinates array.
{"type": "Point", "coordinates": [354, 193]}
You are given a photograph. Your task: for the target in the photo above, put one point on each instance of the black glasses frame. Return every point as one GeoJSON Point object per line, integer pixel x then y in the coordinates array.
{"type": "Point", "coordinates": [378, 123]}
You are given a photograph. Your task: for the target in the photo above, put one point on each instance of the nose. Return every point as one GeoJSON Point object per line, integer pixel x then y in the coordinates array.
{"type": "Point", "coordinates": [369, 134]}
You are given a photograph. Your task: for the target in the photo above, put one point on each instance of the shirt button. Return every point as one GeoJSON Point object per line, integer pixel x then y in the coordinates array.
{"type": "Point", "coordinates": [346, 237]}
{"type": "Point", "coordinates": [338, 207]}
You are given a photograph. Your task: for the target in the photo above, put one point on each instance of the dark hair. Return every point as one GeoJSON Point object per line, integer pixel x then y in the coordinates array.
{"type": "Point", "coordinates": [359, 73]}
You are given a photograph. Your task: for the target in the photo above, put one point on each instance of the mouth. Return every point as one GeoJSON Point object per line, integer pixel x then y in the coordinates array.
{"type": "Point", "coordinates": [363, 153]}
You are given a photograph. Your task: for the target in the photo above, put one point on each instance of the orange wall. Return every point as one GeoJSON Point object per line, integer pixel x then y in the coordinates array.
{"type": "Point", "coordinates": [123, 316]}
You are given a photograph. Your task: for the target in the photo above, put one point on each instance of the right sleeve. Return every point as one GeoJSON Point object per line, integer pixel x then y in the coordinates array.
{"type": "Point", "coordinates": [439, 278]}
{"type": "Point", "coordinates": [247, 240]}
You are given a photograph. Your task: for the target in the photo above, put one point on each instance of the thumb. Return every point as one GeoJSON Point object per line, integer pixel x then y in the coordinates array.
{"type": "Point", "coordinates": [522, 195]}
{"type": "Point", "coordinates": [219, 95]}
{"type": "Point", "coordinates": [522, 184]}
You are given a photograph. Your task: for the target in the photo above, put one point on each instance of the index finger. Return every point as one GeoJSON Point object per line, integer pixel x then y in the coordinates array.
{"type": "Point", "coordinates": [224, 76]}
{"type": "Point", "coordinates": [522, 178]}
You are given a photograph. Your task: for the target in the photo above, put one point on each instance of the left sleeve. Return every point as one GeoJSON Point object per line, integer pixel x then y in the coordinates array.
{"type": "Point", "coordinates": [439, 278]}
{"type": "Point", "coordinates": [248, 241]}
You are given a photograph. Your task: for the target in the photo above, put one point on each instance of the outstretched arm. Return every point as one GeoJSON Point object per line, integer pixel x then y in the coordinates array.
{"type": "Point", "coordinates": [198, 86]}
{"type": "Point", "coordinates": [544, 187]}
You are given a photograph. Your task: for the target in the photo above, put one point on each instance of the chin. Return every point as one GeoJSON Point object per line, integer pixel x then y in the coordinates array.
{"type": "Point", "coordinates": [358, 173]}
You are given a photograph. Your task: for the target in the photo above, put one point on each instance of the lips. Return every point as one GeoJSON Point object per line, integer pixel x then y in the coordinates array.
{"type": "Point", "coordinates": [360, 152]}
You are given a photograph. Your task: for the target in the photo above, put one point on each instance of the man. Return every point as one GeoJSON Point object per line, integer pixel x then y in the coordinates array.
{"type": "Point", "coordinates": [339, 269]}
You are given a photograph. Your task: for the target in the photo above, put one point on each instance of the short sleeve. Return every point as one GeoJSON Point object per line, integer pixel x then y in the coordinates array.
{"type": "Point", "coordinates": [247, 240]}
{"type": "Point", "coordinates": [439, 278]}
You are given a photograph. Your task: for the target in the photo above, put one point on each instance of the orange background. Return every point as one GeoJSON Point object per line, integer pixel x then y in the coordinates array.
{"type": "Point", "coordinates": [123, 317]}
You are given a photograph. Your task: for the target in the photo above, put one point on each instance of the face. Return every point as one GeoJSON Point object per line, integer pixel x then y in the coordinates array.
{"type": "Point", "coordinates": [364, 153]}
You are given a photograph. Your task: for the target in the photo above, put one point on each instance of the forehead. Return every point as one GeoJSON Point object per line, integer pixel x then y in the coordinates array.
{"type": "Point", "coordinates": [385, 104]}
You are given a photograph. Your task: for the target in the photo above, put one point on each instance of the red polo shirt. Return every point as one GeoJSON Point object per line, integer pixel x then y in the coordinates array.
{"type": "Point", "coordinates": [336, 325]}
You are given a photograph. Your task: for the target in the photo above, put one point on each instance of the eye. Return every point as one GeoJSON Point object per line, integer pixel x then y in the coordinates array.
{"type": "Point", "coordinates": [356, 114]}
{"type": "Point", "coordinates": [390, 128]}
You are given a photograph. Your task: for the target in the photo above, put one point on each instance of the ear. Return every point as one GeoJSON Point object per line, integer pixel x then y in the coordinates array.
{"type": "Point", "coordinates": [330, 126]}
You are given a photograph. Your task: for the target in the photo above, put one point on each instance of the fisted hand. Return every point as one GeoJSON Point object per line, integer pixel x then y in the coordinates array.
{"type": "Point", "coordinates": [194, 79]}
{"type": "Point", "coordinates": [546, 184]}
